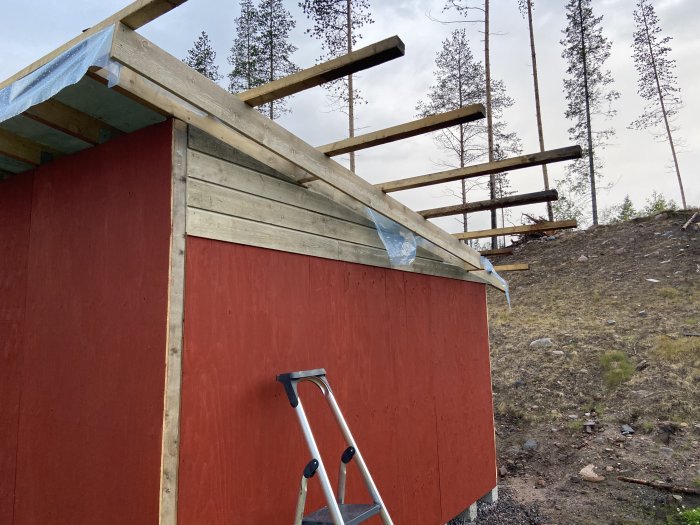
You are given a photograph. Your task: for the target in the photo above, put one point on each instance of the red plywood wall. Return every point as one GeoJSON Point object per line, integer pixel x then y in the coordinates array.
{"type": "Point", "coordinates": [89, 367]}
{"type": "Point", "coordinates": [15, 212]}
{"type": "Point", "coordinates": [406, 354]}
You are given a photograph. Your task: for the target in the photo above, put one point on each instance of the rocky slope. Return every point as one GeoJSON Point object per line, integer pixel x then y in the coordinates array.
{"type": "Point", "coordinates": [604, 331]}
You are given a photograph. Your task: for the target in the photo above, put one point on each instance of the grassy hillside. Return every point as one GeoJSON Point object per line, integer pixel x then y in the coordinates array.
{"type": "Point", "coordinates": [620, 308]}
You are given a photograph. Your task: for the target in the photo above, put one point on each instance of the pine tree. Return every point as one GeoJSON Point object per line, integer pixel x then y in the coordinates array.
{"type": "Point", "coordinates": [526, 8]}
{"type": "Point", "coordinates": [627, 211]}
{"type": "Point", "coordinates": [657, 203]}
{"type": "Point", "coordinates": [657, 82]}
{"type": "Point", "coordinates": [465, 9]}
{"type": "Point", "coordinates": [335, 24]}
{"type": "Point", "coordinates": [460, 81]}
{"type": "Point", "coordinates": [201, 58]}
{"type": "Point", "coordinates": [246, 52]}
{"type": "Point", "coordinates": [588, 92]}
{"type": "Point", "coordinates": [274, 24]}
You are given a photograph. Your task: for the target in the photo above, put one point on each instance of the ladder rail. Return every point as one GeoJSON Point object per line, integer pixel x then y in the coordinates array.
{"type": "Point", "coordinates": [317, 377]}
{"type": "Point", "coordinates": [361, 465]}
{"type": "Point", "coordinates": [333, 507]}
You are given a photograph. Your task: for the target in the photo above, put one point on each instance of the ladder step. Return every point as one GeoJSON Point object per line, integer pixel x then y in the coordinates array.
{"type": "Point", "coordinates": [352, 513]}
{"type": "Point", "coordinates": [301, 374]}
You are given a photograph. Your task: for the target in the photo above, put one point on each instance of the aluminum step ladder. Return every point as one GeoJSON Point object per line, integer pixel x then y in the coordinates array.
{"type": "Point", "coordinates": [337, 512]}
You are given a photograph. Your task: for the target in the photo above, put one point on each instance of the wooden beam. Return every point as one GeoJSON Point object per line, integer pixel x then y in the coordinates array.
{"type": "Point", "coordinates": [342, 66]}
{"type": "Point", "coordinates": [135, 15]}
{"type": "Point", "coordinates": [512, 267]}
{"type": "Point", "coordinates": [402, 131]}
{"type": "Point", "coordinates": [247, 130]}
{"type": "Point", "coordinates": [25, 150]}
{"type": "Point", "coordinates": [487, 168]}
{"type": "Point", "coordinates": [497, 252]}
{"type": "Point", "coordinates": [72, 122]}
{"type": "Point", "coordinates": [170, 449]}
{"type": "Point", "coordinates": [514, 230]}
{"type": "Point", "coordinates": [494, 204]}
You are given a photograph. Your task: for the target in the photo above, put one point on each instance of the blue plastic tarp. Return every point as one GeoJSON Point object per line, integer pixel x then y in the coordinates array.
{"type": "Point", "coordinates": [64, 70]}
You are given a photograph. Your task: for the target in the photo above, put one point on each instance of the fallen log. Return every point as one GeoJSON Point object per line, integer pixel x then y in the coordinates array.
{"type": "Point", "coordinates": [660, 485]}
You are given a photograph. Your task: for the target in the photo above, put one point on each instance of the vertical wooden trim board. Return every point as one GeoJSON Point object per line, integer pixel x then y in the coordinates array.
{"type": "Point", "coordinates": [173, 366]}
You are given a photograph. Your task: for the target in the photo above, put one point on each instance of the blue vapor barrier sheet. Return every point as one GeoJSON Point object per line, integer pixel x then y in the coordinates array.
{"type": "Point", "coordinates": [64, 70]}
{"type": "Point", "coordinates": [490, 269]}
{"type": "Point", "coordinates": [399, 242]}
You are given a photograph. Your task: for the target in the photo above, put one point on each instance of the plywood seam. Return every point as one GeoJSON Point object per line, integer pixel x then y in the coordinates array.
{"type": "Point", "coordinates": [174, 339]}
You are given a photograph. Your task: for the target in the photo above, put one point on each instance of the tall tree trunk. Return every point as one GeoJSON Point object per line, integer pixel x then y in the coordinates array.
{"type": "Point", "coordinates": [663, 110]}
{"type": "Point", "coordinates": [272, 67]}
{"type": "Point", "coordinates": [489, 117]}
{"type": "Point", "coordinates": [591, 167]}
{"type": "Point", "coordinates": [538, 110]}
{"type": "Point", "coordinates": [351, 92]}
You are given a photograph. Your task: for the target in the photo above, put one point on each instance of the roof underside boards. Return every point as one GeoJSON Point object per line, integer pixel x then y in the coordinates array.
{"type": "Point", "coordinates": [91, 98]}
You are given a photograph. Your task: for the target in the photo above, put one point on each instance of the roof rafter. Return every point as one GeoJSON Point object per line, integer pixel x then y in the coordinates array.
{"type": "Point", "coordinates": [71, 121]}
{"type": "Point", "coordinates": [25, 150]}
{"type": "Point", "coordinates": [487, 168]}
{"type": "Point", "coordinates": [492, 204]}
{"type": "Point", "coordinates": [364, 58]}
{"type": "Point", "coordinates": [514, 230]}
{"type": "Point", "coordinates": [408, 129]}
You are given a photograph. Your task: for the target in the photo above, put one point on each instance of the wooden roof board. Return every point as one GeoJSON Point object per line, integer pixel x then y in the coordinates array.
{"type": "Point", "coordinates": [97, 100]}
{"type": "Point", "coordinates": [43, 134]}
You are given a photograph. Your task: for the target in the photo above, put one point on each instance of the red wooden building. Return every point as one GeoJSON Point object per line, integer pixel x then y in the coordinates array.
{"type": "Point", "coordinates": [165, 252]}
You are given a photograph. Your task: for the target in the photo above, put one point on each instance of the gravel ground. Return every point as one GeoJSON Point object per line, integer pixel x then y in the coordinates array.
{"type": "Point", "coordinates": [506, 511]}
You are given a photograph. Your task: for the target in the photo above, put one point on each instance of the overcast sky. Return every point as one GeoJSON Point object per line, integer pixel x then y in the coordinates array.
{"type": "Point", "coordinates": [635, 163]}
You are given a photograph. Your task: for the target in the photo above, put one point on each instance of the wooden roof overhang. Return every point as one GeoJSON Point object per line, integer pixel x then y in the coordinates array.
{"type": "Point", "coordinates": [154, 86]}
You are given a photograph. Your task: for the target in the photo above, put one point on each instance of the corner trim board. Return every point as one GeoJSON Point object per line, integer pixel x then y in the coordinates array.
{"type": "Point", "coordinates": [170, 451]}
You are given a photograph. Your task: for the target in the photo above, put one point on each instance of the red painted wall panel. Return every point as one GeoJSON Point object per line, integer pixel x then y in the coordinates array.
{"type": "Point", "coordinates": [15, 213]}
{"type": "Point", "coordinates": [407, 355]}
{"type": "Point", "coordinates": [95, 335]}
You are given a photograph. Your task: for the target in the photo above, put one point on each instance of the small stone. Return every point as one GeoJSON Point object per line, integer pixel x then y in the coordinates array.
{"type": "Point", "coordinates": [551, 238]}
{"type": "Point", "coordinates": [589, 423]}
{"type": "Point", "coordinates": [642, 313]}
{"type": "Point", "coordinates": [620, 251]}
{"type": "Point", "coordinates": [626, 430]}
{"type": "Point", "coordinates": [642, 365]}
{"type": "Point", "coordinates": [683, 425]}
{"type": "Point", "coordinates": [545, 341]}
{"type": "Point", "coordinates": [503, 471]}
{"type": "Point", "coordinates": [519, 383]}
{"type": "Point", "coordinates": [666, 452]}
{"type": "Point", "coordinates": [531, 444]}
{"type": "Point", "coordinates": [572, 416]}
{"type": "Point", "coordinates": [677, 498]}
{"type": "Point", "coordinates": [610, 322]}
{"type": "Point", "coordinates": [583, 258]}
{"type": "Point", "coordinates": [661, 216]}
{"type": "Point", "coordinates": [609, 468]}
{"type": "Point", "coordinates": [557, 352]}
{"type": "Point", "coordinates": [587, 473]}
{"type": "Point", "coordinates": [540, 483]}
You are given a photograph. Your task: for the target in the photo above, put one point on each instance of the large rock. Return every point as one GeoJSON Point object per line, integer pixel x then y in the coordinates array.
{"type": "Point", "coordinates": [587, 473]}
